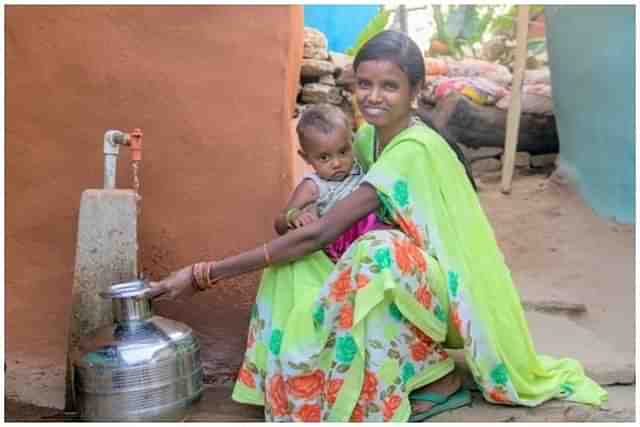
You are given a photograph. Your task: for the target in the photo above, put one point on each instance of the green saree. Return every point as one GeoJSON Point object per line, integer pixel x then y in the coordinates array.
{"type": "Point", "coordinates": [350, 341]}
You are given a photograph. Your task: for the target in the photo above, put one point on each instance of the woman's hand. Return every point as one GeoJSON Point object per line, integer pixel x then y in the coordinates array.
{"type": "Point", "coordinates": [176, 285]}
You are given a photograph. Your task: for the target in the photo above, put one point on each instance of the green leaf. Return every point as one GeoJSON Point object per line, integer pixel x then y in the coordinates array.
{"type": "Point", "coordinates": [471, 23]}
{"type": "Point", "coordinates": [455, 21]}
{"type": "Point", "coordinates": [331, 342]}
{"type": "Point", "coordinates": [502, 23]}
{"type": "Point", "coordinates": [371, 407]}
{"type": "Point", "coordinates": [304, 367]}
{"type": "Point", "coordinates": [441, 32]}
{"type": "Point", "coordinates": [342, 368]}
{"type": "Point", "coordinates": [394, 354]}
{"type": "Point", "coordinates": [536, 46]}
{"type": "Point", "coordinates": [375, 25]}
{"type": "Point", "coordinates": [375, 344]}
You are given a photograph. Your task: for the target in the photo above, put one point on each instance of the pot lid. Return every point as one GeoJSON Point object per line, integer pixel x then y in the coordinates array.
{"type": "Point", "coordinates": [134, 288]}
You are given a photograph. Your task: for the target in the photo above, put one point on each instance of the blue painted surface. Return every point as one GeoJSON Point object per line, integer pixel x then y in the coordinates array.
{"type": "Point", "coordinates": [340, 23]}
{"type": "Point", "coordinates": [592, 61]}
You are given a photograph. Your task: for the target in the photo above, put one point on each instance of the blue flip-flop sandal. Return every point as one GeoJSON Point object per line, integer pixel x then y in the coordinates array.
{"type": "Point", "coordinates": [441, 403]}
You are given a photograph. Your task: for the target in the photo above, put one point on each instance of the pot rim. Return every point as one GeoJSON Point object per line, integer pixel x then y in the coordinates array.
{"type": "Point", "coordinates": [131, 289]}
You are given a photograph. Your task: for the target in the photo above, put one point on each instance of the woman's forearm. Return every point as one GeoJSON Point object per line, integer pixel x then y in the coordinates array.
{"type": "Point", "coordinates": [302, 241]}
{"type": "Point", "coordinates": [294, 244]}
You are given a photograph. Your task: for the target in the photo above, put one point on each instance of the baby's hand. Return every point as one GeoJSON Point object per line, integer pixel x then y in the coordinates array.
{"type": "Point", "coordinates": [304, 218]}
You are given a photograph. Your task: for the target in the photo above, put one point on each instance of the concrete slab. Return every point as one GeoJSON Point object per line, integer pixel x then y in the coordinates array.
{"type": "Point", "coordinates": [561, 337]}
{"type": "Point", "coordinates": [558, 336]}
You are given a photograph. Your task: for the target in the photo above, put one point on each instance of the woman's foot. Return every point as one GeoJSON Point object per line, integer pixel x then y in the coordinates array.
{"type": "Point", "coordinates": [445, 386]}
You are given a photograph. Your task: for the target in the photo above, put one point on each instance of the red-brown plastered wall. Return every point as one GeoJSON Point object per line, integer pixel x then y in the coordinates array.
{"type": "Point", "coordinates": [213, 89]}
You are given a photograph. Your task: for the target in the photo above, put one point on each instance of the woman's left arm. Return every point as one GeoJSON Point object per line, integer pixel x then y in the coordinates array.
{"type": "Point", "coordinates": [293, 245]}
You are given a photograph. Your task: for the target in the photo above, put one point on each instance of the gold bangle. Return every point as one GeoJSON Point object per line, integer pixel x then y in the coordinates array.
{"type": "Point", "coordinates": [267, 258]}
{"type": "Point", "coordinates": [201, 276]}
{"type": "Point", "coordinates": [210, 281]}
{"type": "Point", "coordinates": [290, 213]}
{"type": "Point", "coordinates": [196, 276]}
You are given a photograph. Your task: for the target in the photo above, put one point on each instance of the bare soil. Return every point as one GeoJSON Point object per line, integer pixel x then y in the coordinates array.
{"type": "Point", "coordinates": [559, 249]}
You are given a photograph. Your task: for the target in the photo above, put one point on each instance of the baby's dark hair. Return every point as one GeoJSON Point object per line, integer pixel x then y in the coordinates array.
{"type": "Point", "coordinates": [325, 118]}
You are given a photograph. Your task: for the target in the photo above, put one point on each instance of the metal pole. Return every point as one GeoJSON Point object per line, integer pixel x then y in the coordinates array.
{"type": "Point", "coordinates": [403, 18]}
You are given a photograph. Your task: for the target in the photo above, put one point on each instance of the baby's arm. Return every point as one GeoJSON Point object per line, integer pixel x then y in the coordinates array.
{"type": "Point", "coordinates": [305, 194]}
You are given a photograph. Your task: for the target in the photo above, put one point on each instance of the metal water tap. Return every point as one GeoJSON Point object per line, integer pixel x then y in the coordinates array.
{"type": "Point", "coordinates": [113, 139]}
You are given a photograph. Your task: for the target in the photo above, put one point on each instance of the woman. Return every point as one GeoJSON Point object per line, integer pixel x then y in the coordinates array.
{"type": "Point", "coordinates": [364, 339]}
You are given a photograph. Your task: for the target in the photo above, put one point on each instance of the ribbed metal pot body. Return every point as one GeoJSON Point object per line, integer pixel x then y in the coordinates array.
{"type": "Point", "coordinates": [142, 368]}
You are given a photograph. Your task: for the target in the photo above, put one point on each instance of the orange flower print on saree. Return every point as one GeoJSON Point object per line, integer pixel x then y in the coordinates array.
{"type": "Point", "coordinates": [277, 396]}
{"type": "Point", "coordinates": [369, 386]}
{"type": "Point", "coordinates": [246, 377]}
{"type": "Point", "coordinates": [391, 403]}
{"type": "Point", "coordinates": [455, 319]}
{"type": "Point", "coordinates": [421, 335]}
{"type": "Point", "coordinates": [423, 295]}
{"type": "Point", "coordinates": [411, 229]}
{"type": "Point", "coordinates": [306, 386]}
{"type": "Point", "coordinates": [417, 257]}
{"type": "Point", "coordinates": [357, 416]}
{"type": "Point", "coordinates": [419, 350]}
{"type": "Point", "coordinates": [341, 287]}
{"type": "Point", "coordinates": [308, 413]}
{"type": "Point", "coordinates": [346, 316]}
{"type": "Point", "coordinates": [403, 259]}
{"type": "Point", "coordinates": [361, 280]}
{"type": "Point", "coordinates": [333, 387]}
{"type": "Point", "coordinates": [499, 396]}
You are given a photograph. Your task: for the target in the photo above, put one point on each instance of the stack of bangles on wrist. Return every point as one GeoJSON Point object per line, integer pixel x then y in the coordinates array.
{"type": "Point", "coordinates": [201, 276]}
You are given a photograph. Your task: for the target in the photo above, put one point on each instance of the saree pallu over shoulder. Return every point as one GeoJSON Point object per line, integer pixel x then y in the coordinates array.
{"type": "Point", "coordinates": [423, 186]}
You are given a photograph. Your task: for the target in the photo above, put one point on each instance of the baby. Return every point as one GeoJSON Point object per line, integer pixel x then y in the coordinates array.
{"type": "Point", "coordinates": [325, 138]}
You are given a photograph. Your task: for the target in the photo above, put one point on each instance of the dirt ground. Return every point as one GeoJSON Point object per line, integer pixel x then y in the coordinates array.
{"type": "Point", "coordinates": [559, 251]}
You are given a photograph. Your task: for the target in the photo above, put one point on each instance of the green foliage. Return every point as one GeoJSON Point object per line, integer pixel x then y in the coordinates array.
{"type": "Point", "coordinates": [377, 24]}
{"type": "Point", "coordinates": [464, 25]}
{"type": "Point", "coordinates": [507, 22]}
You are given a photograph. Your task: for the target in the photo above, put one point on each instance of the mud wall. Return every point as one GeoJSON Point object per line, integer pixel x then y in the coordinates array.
{"type": "Point", "coordinates": [213, 89]}
{"type": "Point", "coordinates": [592, 61]}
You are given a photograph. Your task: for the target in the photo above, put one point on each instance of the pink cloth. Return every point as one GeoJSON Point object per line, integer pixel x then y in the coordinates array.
{"type": "Point", "coordinates": [368, 223]}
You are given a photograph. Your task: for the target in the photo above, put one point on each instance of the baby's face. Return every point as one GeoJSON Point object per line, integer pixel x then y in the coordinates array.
{"type": "Point", "coordinates": [331, 156]}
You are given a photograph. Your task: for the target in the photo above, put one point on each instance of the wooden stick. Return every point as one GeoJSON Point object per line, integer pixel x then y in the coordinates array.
{"type": "Point", "coordinates": [515, 108]}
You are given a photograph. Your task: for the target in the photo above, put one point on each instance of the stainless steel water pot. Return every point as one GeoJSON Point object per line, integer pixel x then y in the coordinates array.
{"type": "Point", "coordinates": [142, 368]}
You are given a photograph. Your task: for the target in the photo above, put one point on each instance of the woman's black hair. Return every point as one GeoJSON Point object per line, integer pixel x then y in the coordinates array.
{"type": "Point", "coordinates": [401, 50]}
{"type": "Point", "coordinates": [398, 48]}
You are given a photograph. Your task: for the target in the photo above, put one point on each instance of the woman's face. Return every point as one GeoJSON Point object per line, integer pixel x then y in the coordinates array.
{"type": "Point", "coordinates": [383, 94]}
